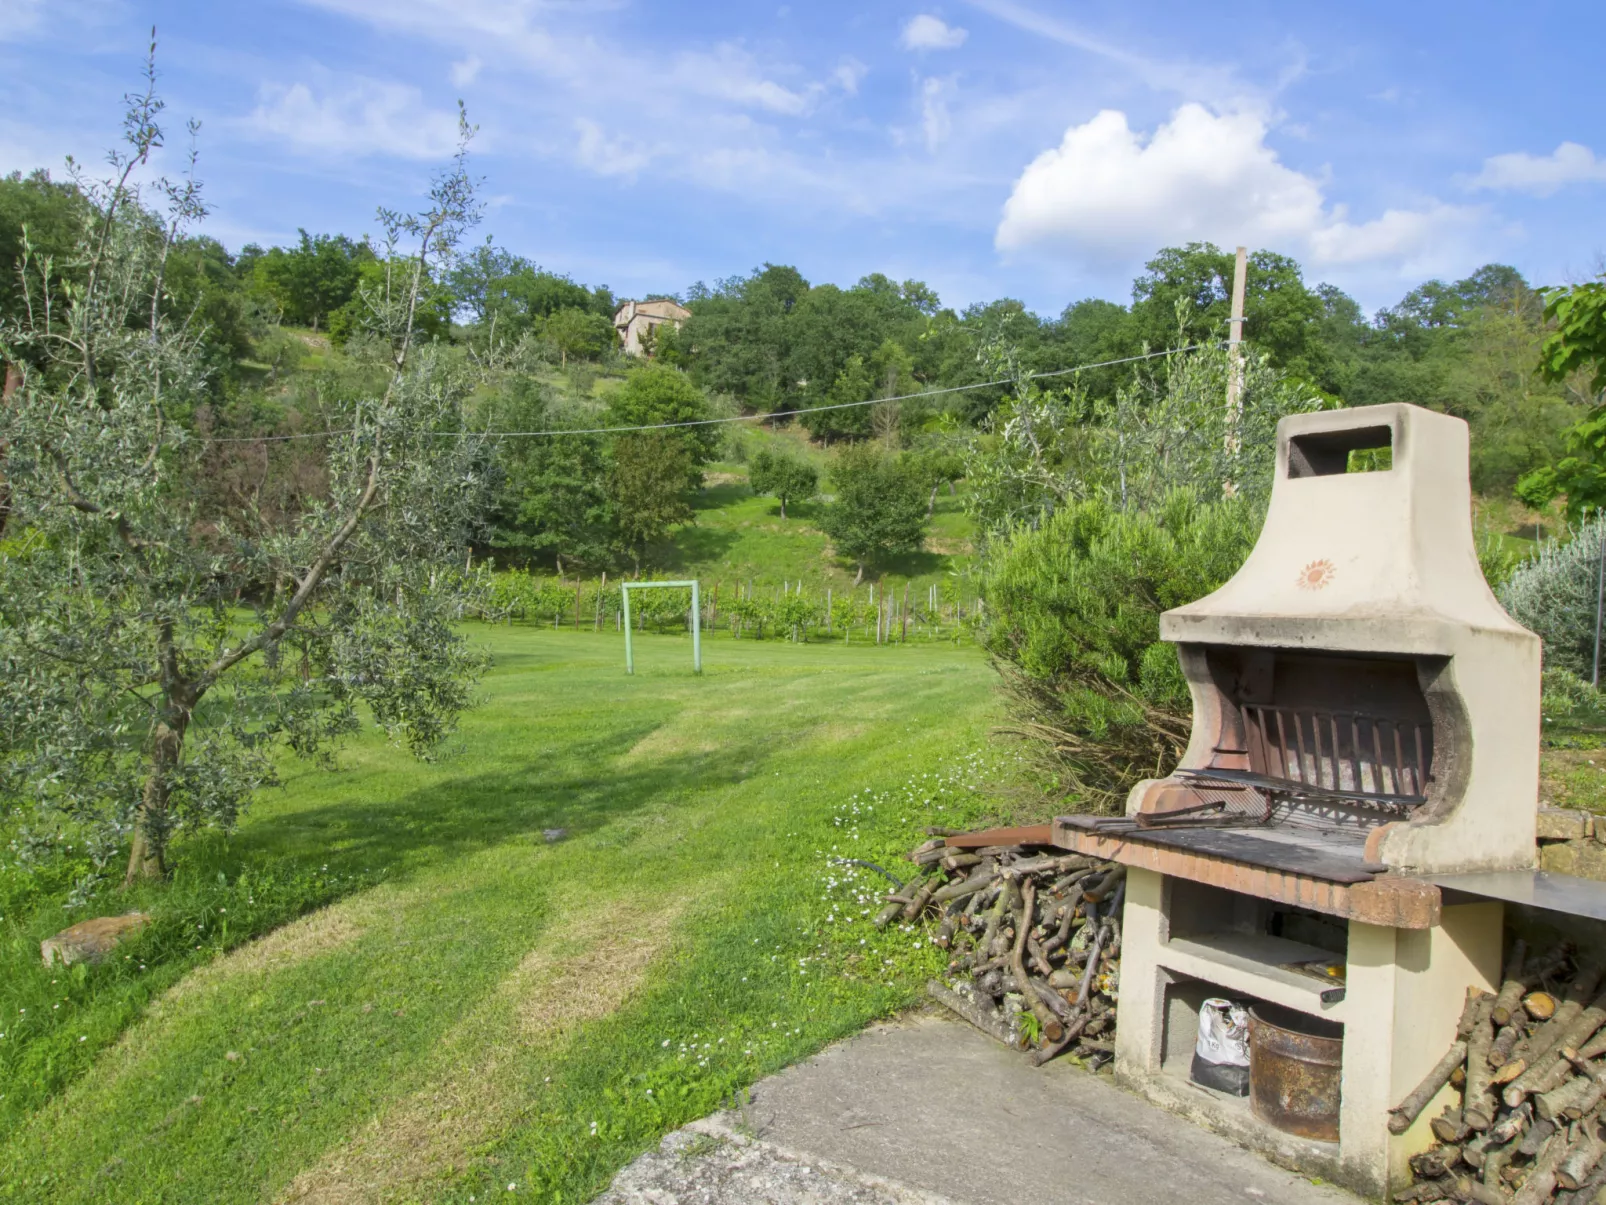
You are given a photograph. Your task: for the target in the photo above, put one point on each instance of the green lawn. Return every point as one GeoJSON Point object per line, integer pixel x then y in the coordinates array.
{"type": "Point", "coordinates": [501, 1014]}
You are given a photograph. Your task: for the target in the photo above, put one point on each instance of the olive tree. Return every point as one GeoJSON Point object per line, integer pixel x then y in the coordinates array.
{"type": "Point", "coordinates": [155, 654]}
{"type": "Point", "coordinates": [781, 477]}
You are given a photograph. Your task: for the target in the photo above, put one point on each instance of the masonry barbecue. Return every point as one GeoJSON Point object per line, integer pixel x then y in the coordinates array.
{"type": "Point", "coordinates": [1365, 718]}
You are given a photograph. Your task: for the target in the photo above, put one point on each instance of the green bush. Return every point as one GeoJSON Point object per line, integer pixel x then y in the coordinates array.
{"type": "Point", "coordinates": [1073, 623]}
{"type": "Point", "coordinates": [1554, 594]}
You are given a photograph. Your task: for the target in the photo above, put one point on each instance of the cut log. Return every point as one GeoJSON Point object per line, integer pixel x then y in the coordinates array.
{"type": "Point", "coordinates": [1511, 1126]}
{"type": "Point", "coordinates": [1507, 1072]}
{"type": "Point", "coordinates": [1541, 1006]}
{"type": "Point", "coordinates": [1479, 1112]}
{"type": "Point", "coordinates": [1581, 1159]}
{"type": "Point", "coordinates": [921, 898]}
{"type": "Point", "coordinates": [1535, 1138]}
{"type": "Point", "coordinates": [979, 881]}
{"type": "Point", "coordinates": [1504, 1042]}
{"type": "Point", "coordinates": [1073, 1031]}
{"type": "Point", "coordinates": [1407, 1111]}
{"type": "Point", "coordinates": [1435, 1161]}
{"type": "Point", "coordinates": [1450, 1127]}
{"type": "Point", "coordinates": [989, 1022]}
{"type": "Point", "coordinates": [1570, 1027]}
{"type": "Point", "coordinates": [1512, 986]}
{"type": "Point", "coordinates": [1553, 1105]}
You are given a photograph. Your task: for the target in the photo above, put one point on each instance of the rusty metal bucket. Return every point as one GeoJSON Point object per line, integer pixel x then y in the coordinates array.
{"type": "Point", "coordinates": [1295, 1064]}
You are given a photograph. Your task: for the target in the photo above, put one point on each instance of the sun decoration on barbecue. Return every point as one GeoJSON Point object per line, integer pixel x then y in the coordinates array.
{"type": "Point", "coordinates": [1316, 575]}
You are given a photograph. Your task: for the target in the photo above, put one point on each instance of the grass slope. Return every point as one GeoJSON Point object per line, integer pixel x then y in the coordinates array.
{"type": "Point", "coordinates": [503, 1014]}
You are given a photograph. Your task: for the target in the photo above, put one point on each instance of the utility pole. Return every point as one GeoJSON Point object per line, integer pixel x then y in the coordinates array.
{"type": "Point", "coordinates": [1235, 369]}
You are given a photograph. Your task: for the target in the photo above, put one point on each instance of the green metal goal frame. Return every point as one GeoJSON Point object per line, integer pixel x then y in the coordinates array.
{"type": "Point", "coordinates": [696, 622]}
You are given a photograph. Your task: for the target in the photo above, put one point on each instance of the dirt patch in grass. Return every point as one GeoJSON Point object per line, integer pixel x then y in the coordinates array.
{"type": "Point", "coordinates": [672, 740]}
{"type": "Point", "coordinates": [316, 933]}
{"type": "Point", "coordinates": [587, 967]}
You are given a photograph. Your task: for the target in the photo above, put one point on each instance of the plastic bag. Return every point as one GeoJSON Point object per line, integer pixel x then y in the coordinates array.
{"type": "Point", "coordinates": [1223, 1033]}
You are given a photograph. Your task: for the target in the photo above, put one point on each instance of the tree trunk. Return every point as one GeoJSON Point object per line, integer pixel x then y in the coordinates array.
{"type": "Point", "coordinates": [13, 382]}
{"type": "Point", "coordinates": [859, 577]}
{"type": "Point", "coordinates": [147, 859]}
{"type": "Point", "coordinates": [783, 507]}
{"type": "Point", "coordinates": [931, 506]}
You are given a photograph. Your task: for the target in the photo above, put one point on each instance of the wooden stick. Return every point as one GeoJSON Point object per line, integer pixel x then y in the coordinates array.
{"type": "Point", "coordinates": [1072, 1031]}
{"type": "Point", "coordinates": [1469, 1012]}
{"type": "Point", "coordinates": [1407, 1111]}
{"type": "Point", "coordinates": [1480, 1036]}
{"type": "Point", "coordinates": [1541, 1181]}
{"type": "Point", "coordinates": [1052, 1029]}
{"type": "Point", "coordinates": [1468, 1189]}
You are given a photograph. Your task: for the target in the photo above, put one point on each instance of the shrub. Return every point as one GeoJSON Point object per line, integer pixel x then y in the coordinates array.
{"type": "Point", "coordinates": [1554, 594]}
{"type": "Point", "coordinates": [1073, 624]}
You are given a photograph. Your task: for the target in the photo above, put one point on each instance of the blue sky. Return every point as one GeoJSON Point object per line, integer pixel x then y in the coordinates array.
{"type": "Point", "coordinates": [1039, 149]}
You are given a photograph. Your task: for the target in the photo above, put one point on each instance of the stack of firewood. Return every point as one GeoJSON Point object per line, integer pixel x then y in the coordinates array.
{"type": "Point", "coordinates": [1527, 1063]}
{"type": "Point", "coordinates": [1035, 939]}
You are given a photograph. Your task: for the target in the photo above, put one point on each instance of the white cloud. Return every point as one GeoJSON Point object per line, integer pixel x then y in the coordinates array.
{"type": "Point", "coordinates": [849, 75]}
{"type": "Point", "coordinates": [935, 121]}
{"type": "Point", "coordinates": [1107, 194]}
{"type": "Point", "coordinates": [927, 32]}
{"type": "Point", "coordinates": [1541, 175]}
{"type": "Point", "coordinates": [608, 156]}
{"type": "Point", "coordinates": [465, 71]}
{"type": "Point", "coordinates": [369, 117]}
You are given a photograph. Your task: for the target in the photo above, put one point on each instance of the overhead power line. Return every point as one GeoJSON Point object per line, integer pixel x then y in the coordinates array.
{"type": "Point", "coordinates": [734, 418]}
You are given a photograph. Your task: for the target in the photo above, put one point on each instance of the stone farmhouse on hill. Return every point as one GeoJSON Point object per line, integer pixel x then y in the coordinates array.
{"type": "Point", "coordinates": [636, 321]}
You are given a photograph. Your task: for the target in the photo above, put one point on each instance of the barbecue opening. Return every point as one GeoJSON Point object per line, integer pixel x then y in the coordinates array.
{"type": "Point", "coordinates": [1330, 453]}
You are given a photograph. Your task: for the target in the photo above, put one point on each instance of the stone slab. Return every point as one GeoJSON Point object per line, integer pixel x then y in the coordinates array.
{"type": "Point", "coordinates": [91, 940]}
{"type": "Point", "coordinates": [929, 1106]}
{"type": "Point", "coordinates": [1563, 824]}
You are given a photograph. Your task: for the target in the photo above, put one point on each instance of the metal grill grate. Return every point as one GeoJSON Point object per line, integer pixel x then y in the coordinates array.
{"type": "Point", "coordinates": [1340, 753]}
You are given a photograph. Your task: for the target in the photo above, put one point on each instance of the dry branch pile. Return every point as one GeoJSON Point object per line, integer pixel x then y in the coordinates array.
{"type": "Point", "coordinates": [1528, 1065]}
{"type": "Point", "coordinates": [1035, 939]}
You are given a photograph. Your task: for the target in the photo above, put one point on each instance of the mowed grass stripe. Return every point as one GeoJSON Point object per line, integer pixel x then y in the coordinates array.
{"type": "Point", "coordinates": [462, 1026]}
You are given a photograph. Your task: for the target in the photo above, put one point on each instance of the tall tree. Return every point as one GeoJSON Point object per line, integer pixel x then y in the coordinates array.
{"type": "Point", "coordinates": [311, 280]}
{"type": "Point", "coordinates": [655, 394]}
{"type": "Point", "coordinates": [879, 508]}
{"type": "Point", "coordinates": [648, 487]}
